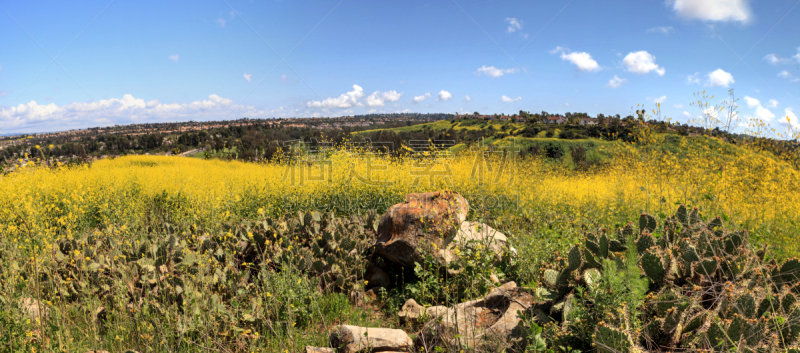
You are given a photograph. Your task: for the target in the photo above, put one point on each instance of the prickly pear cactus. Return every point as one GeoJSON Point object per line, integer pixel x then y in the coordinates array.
{"type": "Point", "coordinates": [708, 289]}
{"type": "Point", "coordinates": [334, 248]}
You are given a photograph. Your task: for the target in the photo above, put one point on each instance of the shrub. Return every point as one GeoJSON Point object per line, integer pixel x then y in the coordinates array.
{"type": "Point", "coordinates": [531, 131]}
{"type": "Point", "coordinates": [578, 154]}
{"type": "Point", "coordinates": [549, 134]}
{"type": "Point", "coordinates": [570, 135]}
{"type": "Point", "coordinates": [554, 151]}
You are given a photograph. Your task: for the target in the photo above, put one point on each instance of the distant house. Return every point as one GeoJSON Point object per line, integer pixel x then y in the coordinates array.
{"type": "Point", "coordinates": [520, 119]}
{"type": "Point", "coordinates": [587, 121]}
{"type": "Point", "coordinates": [556, 120]}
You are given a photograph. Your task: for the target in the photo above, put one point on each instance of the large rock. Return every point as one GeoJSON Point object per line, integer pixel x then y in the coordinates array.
{"type": "Point", "coordinates": [491, 322]}
{"type": "Point", "coordinates": [376, 277]}
{"type": "Point", "coordinates": [473, 233]}
{"type": "Point", "coordinates": [354, 339]}
{"type": "Point", "coordinates": [423, 221]}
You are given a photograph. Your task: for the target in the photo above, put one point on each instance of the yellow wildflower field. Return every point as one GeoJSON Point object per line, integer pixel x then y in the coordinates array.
{"type": "Point", "coordinates": [753, 191]}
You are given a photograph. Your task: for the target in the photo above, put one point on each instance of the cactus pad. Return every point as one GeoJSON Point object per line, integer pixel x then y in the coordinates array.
{"type": "Point", "coordinates": [647, 223]}
{"type": "Point", "coordinates": [653, 267]}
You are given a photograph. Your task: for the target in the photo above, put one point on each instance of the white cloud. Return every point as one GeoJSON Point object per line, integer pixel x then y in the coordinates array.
{"type": "Point", "coordinates": [379, 99]}
{"type": "Point", "coordinates": [513, 24]}
{"type": "Point", "coordinates": [686, 114]}
{"type": "Point", "coordinates": [761, 112]}
{"type": "Point", "coordinates": [582, 60]}
{"type": "Point", "coordinates": [467, 98]}
{"type": "Point", "coordinates": [693, 79]}
{"type": "Point", "coordinates": [173, 57]}
{"type": "Point", "coordinates": [785, 74]}
{"type": "Point", "coordinates": [221, 22]}
{"type": "Point", "coordinates": [444, 95]}
{"type": "Point", "coordinates": [751, 102]}
{"type": "Point", "coordinates": [713, 10]}
{"type": "Point", "coordinates": [128, 109]}
{"type": "Point", "coordinates": [507, 99]}
{"type": "Point", "coordinates": [679, 106]}
{"type": "Point", "coordinates": [764, 113]}
{"type": "Point", "coordinates": [346, 100]}
{"type": "Point", "coordinates": [615, 82]}
{"type": "Point", "coordinates": [792, 118]}
{"type": "Point", "coordinates": [4, 93]}
{"type": "Point", "coordinates": [775, 59]}
{"type": "Point", "coordinates": [642, 62]}
{"type": "Point", "coordinates": [421, 98]}
{"type": "Point", "coordinates": [559, 49]}
{"type": "Point", "coordinates": [660, 99]}
{"type": "Point", "coordinates": [720, 78]}
{"type": "Point", "coordinates": [797, 57]}
{"type": "Point", "coordinates": [662, 30]}
{"type": "Point", "coordinates": [772, 103]}
{"type": "Point", "coordinates": [248, 77]}
{"type": "Point", "coordinates": [495, 72]}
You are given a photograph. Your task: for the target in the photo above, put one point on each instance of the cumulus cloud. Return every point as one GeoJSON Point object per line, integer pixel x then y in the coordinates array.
{"type": "Point", "coordinates": [421, 98]}
{"type": "Point", "coordinates": [642, 62]}
{"type": "Point", "coordinates": [379, 99]}
{"type": "Point", "coordinates": [513, 24]}
{"type": "Point", "coordinates": [693, 79]}
{"type": "Point", "coordinates": [221, 22]}
{"type": "Point", "coordinates": [345, 100]}
{"type": "Point", "coordinates": [660, 100]}
{"type": "Point", "coordinates": [785, 74]}
{"type": "Point", "coordinates": [760, 112]}
{"type": "Point", "coordinates": [4, 93]}
{"type": "Point", "coordinates": [686, 114]}
{"type": "Point", "coordinates": [248, 77]}
{"type": "Point", "coordinates": [173, 57]}
{"type": "Point", "coordinates": [772, 103]}
{"type": "Point", "coordinates": [774, 59]}
{"type": "Point", "coordinates": [751, 102]}
{"type": "Point", "coordinates": [444, 95]}
{"type": "Point", "coordinates": [582, 60]}
{"type": "Point", "coordinates": [616, 82]}
{"type": "Point", "coordinates": [495, 72]}
{"type": "Point", "coordinates": [125, 110]}
{"type": "Point", "coordinates": [720, 78]}
{"type": "Point", "coordinates": [713, 10]}
{"type": "Point", "coordinates": [507, 99]}
{"type": "Point", "coordinates": [662, 30]}
{"type": "Point", "coordinates": [791, 118]}
{"type": "Point", "coordinates": [467, 98]}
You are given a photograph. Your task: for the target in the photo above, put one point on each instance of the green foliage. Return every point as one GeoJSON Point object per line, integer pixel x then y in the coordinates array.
{"type": "Point", "coordinates": [707, 290]}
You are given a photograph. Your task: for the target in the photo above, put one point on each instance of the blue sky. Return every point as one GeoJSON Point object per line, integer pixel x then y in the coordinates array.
{"type": "Point", "coordinates": [119, 62]}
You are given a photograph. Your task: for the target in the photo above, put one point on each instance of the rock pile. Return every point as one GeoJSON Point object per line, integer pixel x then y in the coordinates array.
{"type": "Point", "coordinates": [435, 222]}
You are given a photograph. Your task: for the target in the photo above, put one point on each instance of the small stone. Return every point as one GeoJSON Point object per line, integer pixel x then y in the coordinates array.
{"type": "Point", "coordinates": [310, 349]}
{"type": "Point", "coordinates": [411, 311]}
{"type": "Point", "coordinates": [494, 279]}
{"type": "Point", "coordinates": [354, 339]}
{"type": "Point", "coordinates": [35, 309]}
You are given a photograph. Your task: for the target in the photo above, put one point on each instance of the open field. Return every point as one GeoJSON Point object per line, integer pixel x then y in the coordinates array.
{"type": "Point", "coordinates": [132, 234]}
